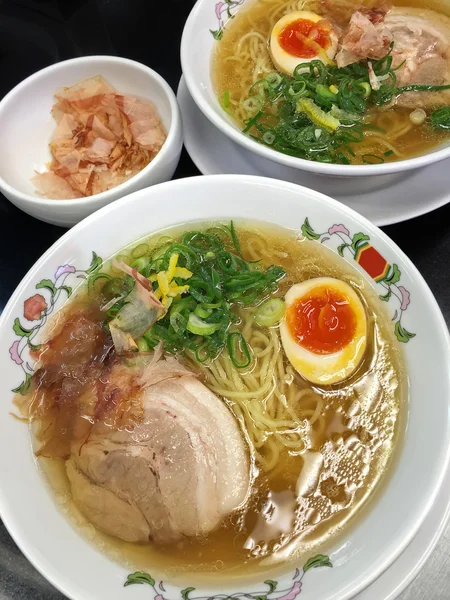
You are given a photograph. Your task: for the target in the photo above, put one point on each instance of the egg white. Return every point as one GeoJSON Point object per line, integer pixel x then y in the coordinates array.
{"type": "Point", "coordinates": [287, 62]}
{"type": "Point", "coordinates": [325, 369]}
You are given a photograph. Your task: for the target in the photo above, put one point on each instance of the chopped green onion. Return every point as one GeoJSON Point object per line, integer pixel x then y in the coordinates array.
{"type": "Point", "coordinates": [238, 350]}
{"type": "Point", "coordinates": [235, 239]}
{"type": "Point", "coordinates": [186, 303]}
{"type": "Point", "coordinates": [373, 127]}
{"type": "Point", "coordinates": [95, 277]}
{"type": "Point", "coordinates": [120, 258]}
{"type": "Point", "coordinates": [252, 104]}
{"type": "Point", "coordinates": [365, 88]}
{"type": "Point", "coordinates": [160, 250]}
{"type": "Point", "coordinates": [274, 79]}
{"type": "Point", "coordinates": [140, 263]}
{"type": "Point", "coordinates": [215, 305]}
{"type": "Point", "coordinates": [113, 288]}
{"type": "Point", "coordinates": [343, 115]}
{"type": "Point", "coordinates": [187, 254]}
{"type": "Point", "coordinates": [200, 327]}
{"type": "Point", "coordinates": [225, 102]}
{"type": "Point", "coordinates": [258, 88]}
{"type": "Point", "coordinates": [201, 290]}
{"type": "Point", "coordinates": [202, 312]}
{"type": "Point", "coordinates": [372, 159]}
{"type": "Point", "coordinates": [178, 322]}
{"type": "Point", "coordinates": [440, 118]}
{"type": "Point", "coordinates": [201, 354]}
{"type": "Point", "coordinates": [199, 322]}
{"type": "Point", "coordinates": [269, 138]}
{"type": "Point", "coordinates": [421, 88]}
{"type": "Point", "coordinates": [389, 153]}
{"type": "Point", "coordinates": [140, 250]}
{"type": "Point", "coordinates": [297, 89]}
{"type": "Point", "coordinates": [142, 345]}
{"type": "Point", "coordinates": [249, 123]}
{"type": "Point", "coordinates": [151, 340]}
{"type": "Point", "coordinates": [270, 313]}
{"type": "Point", "coordinates": [324, 93]}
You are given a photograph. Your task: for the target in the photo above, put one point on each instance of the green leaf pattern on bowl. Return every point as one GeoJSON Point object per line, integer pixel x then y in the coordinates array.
{"type": "Point", "coordinates": [272, 593]}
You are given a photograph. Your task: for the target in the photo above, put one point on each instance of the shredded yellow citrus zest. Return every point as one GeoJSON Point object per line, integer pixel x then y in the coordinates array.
{"type": "Point", "coordinates": [172, 266]}
{"type": "Point", "coordinates": [177, 290]}
{"type": "Point", "coordinates": [163, 283]}
{"type": "Point", "coordinates": [168, 290]}
{"type": "Point", "coordinates": [317, 115]}
{"type": "Point", "coordinates": [182, 273]}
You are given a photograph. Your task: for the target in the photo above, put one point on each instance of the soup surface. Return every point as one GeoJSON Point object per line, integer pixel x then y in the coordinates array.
{"type": "Point", "coordinates": [341, 121]}
{"type": "Point", "coordinates": [316, 453]}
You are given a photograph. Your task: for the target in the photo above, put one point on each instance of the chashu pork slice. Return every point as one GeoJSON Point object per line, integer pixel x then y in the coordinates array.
{"type": "Point", "coordinates": [421, 49]}
{"type": "Point", "coordinates": [176, 474]}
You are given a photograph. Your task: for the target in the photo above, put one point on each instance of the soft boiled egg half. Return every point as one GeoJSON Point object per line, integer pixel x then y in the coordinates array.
{"type": "Point", "coordinates": [324, 330]}
{"type": "Point", "coordinates": [301, 37]}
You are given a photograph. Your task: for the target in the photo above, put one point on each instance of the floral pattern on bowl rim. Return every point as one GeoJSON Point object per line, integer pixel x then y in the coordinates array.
{"type": "Point", "coordinates": [224, 11]}
{"type": "Point", "coordinates": [273, 593]}
{"type": "Point", "coordinates": [40, 308]}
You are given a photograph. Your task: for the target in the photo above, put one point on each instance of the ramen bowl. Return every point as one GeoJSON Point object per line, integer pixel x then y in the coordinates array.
{"type": "Point", "coordinates": [68, 556]}
{"type": "Point", "coordinates": [28, 128]}
{"type": "Point", "coordinates": [203, 31]}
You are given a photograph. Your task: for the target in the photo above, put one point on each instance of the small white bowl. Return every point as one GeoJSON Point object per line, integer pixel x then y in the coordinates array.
{"type": "Point", "coordinates": [391, 520]}
{"type": "Point", "coordinates": [27, 127]}
{"type": "Point", "coordinates": [197, 46]}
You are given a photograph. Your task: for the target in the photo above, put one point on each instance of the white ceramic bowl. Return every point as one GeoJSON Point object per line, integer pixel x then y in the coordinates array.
{"type": "Point", "coordinates": [197, 46]}
{"type": "Point", "coordinates": [79, 569]}
{"type": "Point", "coordinates": [27, 127]}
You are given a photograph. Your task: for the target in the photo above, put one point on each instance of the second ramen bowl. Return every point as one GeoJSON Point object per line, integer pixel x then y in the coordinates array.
{"type": "Point", "coordinates": [80, 569]}
{"type": "Point", "coordinates": [202, 32]}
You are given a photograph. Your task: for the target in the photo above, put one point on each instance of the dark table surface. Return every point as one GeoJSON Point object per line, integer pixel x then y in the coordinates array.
{"type": "Point", "coordinates": [37, 33]}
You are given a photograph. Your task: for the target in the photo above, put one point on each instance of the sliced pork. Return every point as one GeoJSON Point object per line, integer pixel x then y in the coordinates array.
{"type": "Point", "coordinates": [177, 473]}
{"type": "Point", "coordinates": [366, 36]}
{"type": "Point", "coordinates": [421, 41]}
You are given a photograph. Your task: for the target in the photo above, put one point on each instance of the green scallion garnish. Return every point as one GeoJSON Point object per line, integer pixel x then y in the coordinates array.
{"type": "Point", "coordinates": [238, 350]}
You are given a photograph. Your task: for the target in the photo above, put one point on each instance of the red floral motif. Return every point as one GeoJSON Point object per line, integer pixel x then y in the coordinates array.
{"type": "Point", "coordinates": [33, 307]}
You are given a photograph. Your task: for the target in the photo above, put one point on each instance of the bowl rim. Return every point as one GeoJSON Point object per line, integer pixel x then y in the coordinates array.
{"type": "Point", "coordinates": [196, 89]}
{"type": "Point", "coordinates": [166, 148]}
{"type": "Point", "coordinates": [59, 580]}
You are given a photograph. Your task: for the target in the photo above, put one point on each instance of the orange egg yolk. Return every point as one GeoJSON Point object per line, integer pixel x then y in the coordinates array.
{"type": "Point", "coordinates": [294, 38]}
{"type": "Point", "coordinates": [322, 321]}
